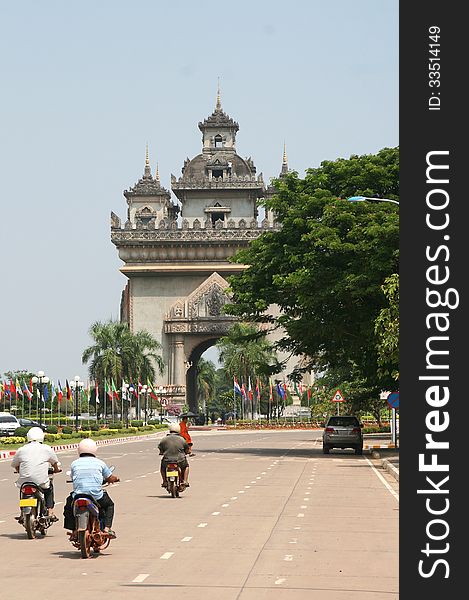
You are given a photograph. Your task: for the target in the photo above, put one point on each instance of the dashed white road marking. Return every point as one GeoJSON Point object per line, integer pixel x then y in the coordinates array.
{"type": "Point", "coordinates": [288, 557]}
{"type": "Point", "coordinates": [303, 506]}
{"type": "Point", "coordinates": [300, 515]}
{"type": "Point", "coordinates": [3, 479]}
{"type": "Point", "coordinates": [234, 498]}
{"type": "Point", "coordinates": [241, 492]}
{"type": "Point", "coordinates": [215, 513]}
{"type": "Point", "coordinates": [2, 521]}
{"type": "Point", "coordinates": [202, 525]}
{"type": "Point", "coordinates": [258, 477]}
{"type": "Point", "coordinates": [280, 580]}
{"type": "Point", "coordinates": [247, 486]}
{"type": "Point", "coordinates": [166, 555]}
{"type": "Point", "coordinates": [293, 541]}
{"type": "Point", "coordinates": [297, 527]}
{"type": "Point", "coordinates": [142, 476]}
{"type": "Point", "coordinates": [186, 539]}
{"type": "Point", "coordinates": [140, 578]}
{"type": "Point", "coordinates": [225, 505]}
{"type": "Point", "coordinates": [127, 480]}
{"type": "Point", "coordinates": [305, 499]}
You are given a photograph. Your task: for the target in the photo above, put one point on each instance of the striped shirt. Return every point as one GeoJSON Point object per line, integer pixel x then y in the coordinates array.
{"type": "Point", "coordinates": [88, 474]}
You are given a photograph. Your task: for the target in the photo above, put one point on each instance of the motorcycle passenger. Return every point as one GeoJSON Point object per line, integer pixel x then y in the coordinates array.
{"type": "Point", "coordinates": [174, 448]}
{"type": "Point", "coordinates": [32, 461]}
{"type": "Point", "coordinates": [184, 425]}
{"type": "Point", "coordinates": [88, 474]}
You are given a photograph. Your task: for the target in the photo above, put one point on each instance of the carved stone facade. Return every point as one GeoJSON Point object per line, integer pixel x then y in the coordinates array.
{"type": "Point", "coordinates": [176, 254]}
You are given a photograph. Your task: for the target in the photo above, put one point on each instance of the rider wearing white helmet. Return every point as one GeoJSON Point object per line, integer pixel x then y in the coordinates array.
{"type": "Point", "coordinates": [32, 461]}
{"type": "Point", "coordinates": [88, 474]}
{"type": "Point", "coordinates": [174, 448]}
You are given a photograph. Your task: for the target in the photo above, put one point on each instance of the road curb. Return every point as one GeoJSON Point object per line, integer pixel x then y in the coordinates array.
{"type": "Point", "coordinates": [390, 468]}
{"type": "Point", "coordinates": [6, 454]}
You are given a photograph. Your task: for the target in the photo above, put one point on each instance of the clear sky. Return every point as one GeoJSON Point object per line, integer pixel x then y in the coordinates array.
{"type": "Point", "coordinates": [86, 84]}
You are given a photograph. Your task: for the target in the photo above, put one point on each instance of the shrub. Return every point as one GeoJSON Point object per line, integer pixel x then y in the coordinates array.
{"type": "Point", "coordinates": [115, 425]}
{"type": "Point", "coordinates": [66, 429]}
{"type": "Point", "coordinates": [15, 439]}
{"type": "Point", "coordinates": [136, 423]}
{"type": "Point", "coordinates": [21, 431]}
{"type": "Point", "coordinates": [94, 427]}
{"type": "Point", "coordinates": [52, 429]}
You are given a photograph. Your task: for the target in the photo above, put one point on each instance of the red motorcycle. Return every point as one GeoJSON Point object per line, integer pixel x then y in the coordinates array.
{"type": "Point", "coordinates": [174, 479]}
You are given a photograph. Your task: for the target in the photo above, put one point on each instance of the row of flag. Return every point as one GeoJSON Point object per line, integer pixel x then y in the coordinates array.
{"type": "Point", "coordinates": [14, 389]}
{"type": "Point", "coordinates": [281, 389]}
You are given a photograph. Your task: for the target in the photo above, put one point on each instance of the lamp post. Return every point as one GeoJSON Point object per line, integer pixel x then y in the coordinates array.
{"type": "Point", "coordinates": [368, 199]}
{"type": "Point", "coordinates": [76, 386]}
{"type": "Point", "coordinates": [40, 379]}
{"type": "Point", "coordinates": [145, 394]}
{"type": "Point", "coordinates": [125, 394]}
{"type": "Point", "coordinates": [161, 391]}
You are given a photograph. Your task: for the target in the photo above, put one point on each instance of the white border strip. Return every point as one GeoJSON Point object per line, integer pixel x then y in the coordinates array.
{"type": "Point", "coordinates": [381, 478]}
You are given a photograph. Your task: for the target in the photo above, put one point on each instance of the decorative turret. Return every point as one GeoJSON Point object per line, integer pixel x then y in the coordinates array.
{"type": "Point", "coordinates": [148, 201]}
{"type": "Point", "coordinates": [218, 130]}
{"type": "Point", "coordinates": [284, 170]}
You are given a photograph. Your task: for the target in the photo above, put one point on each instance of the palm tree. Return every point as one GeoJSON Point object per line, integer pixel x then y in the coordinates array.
{"type": "Point", "coordinates": [244, 354]}
{"type": "Point", "coordinates": [206, 373]}
{"type": "Point", "coordinates": [119, 354]}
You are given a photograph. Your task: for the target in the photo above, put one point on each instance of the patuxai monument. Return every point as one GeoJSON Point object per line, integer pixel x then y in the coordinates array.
{"type": "Point", "coordinates": [175, 254]}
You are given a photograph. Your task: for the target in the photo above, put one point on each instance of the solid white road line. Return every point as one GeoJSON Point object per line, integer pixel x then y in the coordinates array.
{"type": "Point", "coordinates": [140, 578]}
{"type": "Point", "coordinates": [383, 481]}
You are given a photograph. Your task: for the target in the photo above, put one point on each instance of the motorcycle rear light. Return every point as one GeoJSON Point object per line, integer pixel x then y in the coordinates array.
{"type": "Point", "coordinates": [82, 502]}
{"type": "Point", "coordinates": [172, 466]}
{"type": "Point", "coordinates": [28, 490]}
{"type": "Point", "coordinates": [329, 430]}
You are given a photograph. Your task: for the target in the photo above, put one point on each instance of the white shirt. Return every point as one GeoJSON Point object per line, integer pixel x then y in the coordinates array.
{"type": "Point", "coordinates": [34, 460]}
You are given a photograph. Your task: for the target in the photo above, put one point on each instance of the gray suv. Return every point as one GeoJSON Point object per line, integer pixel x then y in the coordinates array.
{"type": "Point", "coordinates": [342, 432]}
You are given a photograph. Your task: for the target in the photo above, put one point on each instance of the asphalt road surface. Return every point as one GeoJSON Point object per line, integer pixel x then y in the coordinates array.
{"type": "Point", "coordinates": [268, 515]}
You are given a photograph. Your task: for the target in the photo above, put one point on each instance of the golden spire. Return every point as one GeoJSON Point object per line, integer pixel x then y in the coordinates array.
{"type": "Point", "coordinates": [157, 175]}
{"type": "Point", "coordinates": [218, 107]}
{"type": "Point", "coordinates": [285, 161]}
{"type": "Point", "coordinates": [147, 159]}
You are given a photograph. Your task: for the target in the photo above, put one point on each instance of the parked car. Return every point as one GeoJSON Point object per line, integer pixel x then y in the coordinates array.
{"type": "Point", "coordinates": [342, 432]}
{"type": "Point", "coordinates": [31, 423]}
{"type": "Point", "coordinates": [8, 424]}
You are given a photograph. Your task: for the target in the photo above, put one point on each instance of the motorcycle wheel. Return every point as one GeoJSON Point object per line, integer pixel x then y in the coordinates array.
{"type": "Point", "coordinates": [172, 489]}
{"type": "Point", "coordinates": [85, 543]}
{"type": "Point", "coordinates": [30, 524]}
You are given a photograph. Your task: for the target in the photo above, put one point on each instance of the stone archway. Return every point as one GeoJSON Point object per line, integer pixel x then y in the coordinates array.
{"type": "Point", "coordinates": [192, 325]}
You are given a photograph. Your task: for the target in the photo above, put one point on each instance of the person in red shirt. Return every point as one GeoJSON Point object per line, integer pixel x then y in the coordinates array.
{"type": "Point", "coordinates": [184, 426]}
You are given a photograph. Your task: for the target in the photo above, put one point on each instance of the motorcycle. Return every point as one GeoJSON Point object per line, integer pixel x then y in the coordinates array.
{"type": "Point", "coordinates": [174, 479]}
{"type": "Point", "coordinates": [88, 533]}
{"type": "Point", "coordinates": [34, 514]}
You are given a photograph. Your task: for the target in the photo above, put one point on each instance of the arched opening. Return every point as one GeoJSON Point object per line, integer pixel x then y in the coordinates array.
{"type": "Point", "coordinates": [218, 141]}
{"type": "Point", "coordinates": [206, 349]}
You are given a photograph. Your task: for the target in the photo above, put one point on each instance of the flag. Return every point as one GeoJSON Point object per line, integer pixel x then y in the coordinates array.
{"type": "Point", "coordinates": [52, 388]}
{"type": "Point", "coordinates": [107, 389]}
{"type": "Point", "coordinates": [152, 390]}
{"type": "Point", "coordinates": [18, 389]}
{"type": "Point", "coordinates": [258, 389]}
{"type": "Point", "coordinates": [309, 394]}
{"type": "Point", "coordinates": [249, 389]}
{"type": "Point", "coordinates": [60, 394]}
{"type": "Point", "coordinates": [96, 389]}
{"type": "Point", "coordinates": [236, 388]}
{"type": "Point", "coordinates": [12, 388]}
{"type": "Point", "coordinates": [243, 390]}
{"type": "Point", "coordinates": [295, 387]}
{"type": "Point", "coordinates": [281, 391]}
{"type": "Point", "coordinates": [271, 392]}
{"type": "Point", "coordinates": [27, 391]}
{"type": "Point", "coordinates": [133, 389]}
{"type": "Point", "coordinates": [114, 389]}
{"type": "Point", "coordinates": [45, 393]}
{"type": "Point", "coordinates": [69, 391]}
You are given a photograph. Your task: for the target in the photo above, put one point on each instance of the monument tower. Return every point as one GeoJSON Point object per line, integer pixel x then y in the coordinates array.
{"type": "Point", "coordinates": [176, 255]}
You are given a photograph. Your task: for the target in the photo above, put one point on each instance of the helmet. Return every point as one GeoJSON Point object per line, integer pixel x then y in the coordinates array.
{"type": "Point", "coordinates": [174, 428]}
{"type": "Point", "coordinates": [87, 446]}
{"type": "Point", "coordinates": [35, 434]}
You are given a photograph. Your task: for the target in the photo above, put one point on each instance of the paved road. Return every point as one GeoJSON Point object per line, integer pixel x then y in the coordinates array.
{"type": "Point", "coordinates": [267, 516]}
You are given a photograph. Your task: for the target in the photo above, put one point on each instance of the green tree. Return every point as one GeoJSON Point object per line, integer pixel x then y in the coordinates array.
{"type": "Point", "coordinates": [205, 381]}
{"type": "Point", "coordinates": [119, 354]}
{"type": "Point", "coordinates": [324, 267]}
{"type": "Point", "coordinates": [387, 329]}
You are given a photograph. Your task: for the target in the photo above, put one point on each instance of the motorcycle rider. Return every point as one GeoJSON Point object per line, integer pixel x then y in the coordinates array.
{"type": "Point", "coordinates": [32, 461]}
{"type": "Point", "coordinates": [174, 448]}
{"type": "Point", "coordinates": [88, 474]}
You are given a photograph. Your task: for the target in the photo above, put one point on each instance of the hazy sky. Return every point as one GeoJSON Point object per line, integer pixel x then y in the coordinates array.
{"type": "Point", "coordinates": [86, 84]}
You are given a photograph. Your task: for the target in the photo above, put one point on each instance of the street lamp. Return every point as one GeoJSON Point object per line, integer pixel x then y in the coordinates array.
{"type": "Point", "coordinates": [161, 390]}
{"type": "Point", "coordinates": [145, 393]}
{"type": "Point", "coordinates": [367, 199]}
{"type": "Point", "coordinates": [40, 380]}
{"type": "Point", "coordinates": [125, 392]}
{"type": "Point", "coordinates": [76, 386]}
